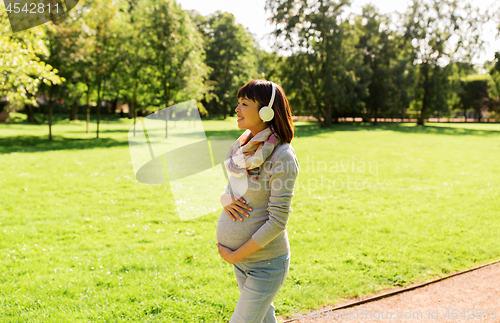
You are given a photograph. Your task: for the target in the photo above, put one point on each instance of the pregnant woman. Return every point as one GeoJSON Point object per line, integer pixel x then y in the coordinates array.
{"type": "Point", "coordinates": [251, 231]}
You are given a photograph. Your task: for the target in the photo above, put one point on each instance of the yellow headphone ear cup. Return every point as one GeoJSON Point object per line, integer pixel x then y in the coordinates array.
{"type": "Point", "coordinates": [266, 113]}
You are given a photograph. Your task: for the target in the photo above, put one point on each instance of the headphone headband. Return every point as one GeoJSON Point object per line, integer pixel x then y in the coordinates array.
{"type": "Point", "coordinates": [266, 113]}
{"type": "Point", "coordinates": [273, 95]}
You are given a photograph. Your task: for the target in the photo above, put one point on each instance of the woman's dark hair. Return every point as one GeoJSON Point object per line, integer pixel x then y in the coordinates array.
{"type": "Point", "coordinates": [261, 91]}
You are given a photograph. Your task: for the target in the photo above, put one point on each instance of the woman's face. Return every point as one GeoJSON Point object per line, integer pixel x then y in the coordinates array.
{"type": "Point", "coordinates": [248, 116]}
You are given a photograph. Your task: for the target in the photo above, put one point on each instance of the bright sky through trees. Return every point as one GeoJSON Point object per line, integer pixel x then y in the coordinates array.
{"type": "Point", "coordinates": [252, 15]}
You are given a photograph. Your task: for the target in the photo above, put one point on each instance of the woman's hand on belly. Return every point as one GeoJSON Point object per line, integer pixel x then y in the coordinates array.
{"type": "Point", "coordinates": [226, 253]}
{"type": "Point", "coordinates": [233, 204]}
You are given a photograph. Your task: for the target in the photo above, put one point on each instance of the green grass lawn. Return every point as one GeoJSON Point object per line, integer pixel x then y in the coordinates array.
{"type": "Point", "coordinates": [82, 240]}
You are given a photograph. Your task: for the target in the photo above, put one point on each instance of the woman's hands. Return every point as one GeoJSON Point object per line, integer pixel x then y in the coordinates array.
{"type": "Point", "coordinates": [226, 253]}
{"type": "Point", "coordinates": [233, 204]}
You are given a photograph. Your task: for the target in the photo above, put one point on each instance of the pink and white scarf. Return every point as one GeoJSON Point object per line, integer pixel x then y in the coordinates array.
{"type": "Point", "coordinates": [241, 157]}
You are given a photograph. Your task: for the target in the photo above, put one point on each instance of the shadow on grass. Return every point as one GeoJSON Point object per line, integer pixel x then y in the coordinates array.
{"type": "Point", "coordinates": [41, 143]}
{"type": "Point", "coordinates": [26, 143]}
{"type": "Point", "coordinates": [60, 119]}
{"type": "Point", "coordinates": [93, 131]}
{"type": "Point", "coordinates": [311, 128]}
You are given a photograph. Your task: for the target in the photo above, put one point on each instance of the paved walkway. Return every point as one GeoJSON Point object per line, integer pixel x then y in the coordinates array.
{"type": "Point", "coordinates": [470, 297]}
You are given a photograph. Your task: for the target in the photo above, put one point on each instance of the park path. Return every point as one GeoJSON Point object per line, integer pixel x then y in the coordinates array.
{"type": "Point", "coordinates": [463, 296]}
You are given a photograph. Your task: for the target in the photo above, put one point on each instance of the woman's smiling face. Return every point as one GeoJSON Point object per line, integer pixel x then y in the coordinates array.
{"type": "Point", "coordinates": [248, 116]}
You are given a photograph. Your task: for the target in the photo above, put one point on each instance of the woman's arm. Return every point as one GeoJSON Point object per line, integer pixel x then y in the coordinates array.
{"type": "Point", "coordinates": [235, 256]}
{"type": "Point", "coordinates": [248, 248]}
{"type": "Point", "coordinates": [282, 183]}
{"type": "Point", "coordinates": [283, 173]}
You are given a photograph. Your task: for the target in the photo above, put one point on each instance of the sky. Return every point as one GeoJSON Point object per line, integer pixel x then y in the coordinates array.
{"type": "Point", "coordinates": [251, 14]}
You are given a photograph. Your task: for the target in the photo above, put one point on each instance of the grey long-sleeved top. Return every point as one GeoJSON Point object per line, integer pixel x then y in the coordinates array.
{"type": "Point", "coordinates": [270, 198]}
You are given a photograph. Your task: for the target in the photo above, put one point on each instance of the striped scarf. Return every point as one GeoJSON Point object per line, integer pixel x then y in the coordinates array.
{"type": "Point", "coordinates": [241, 157]}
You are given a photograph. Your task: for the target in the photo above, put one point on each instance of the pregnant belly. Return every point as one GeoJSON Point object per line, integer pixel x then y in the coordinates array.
{"type": "Point", "coordinates": [234, 234]}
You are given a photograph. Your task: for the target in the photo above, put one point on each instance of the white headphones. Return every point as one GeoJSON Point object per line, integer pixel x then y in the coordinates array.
{"type": "Point", "coordinates": [267, 113]}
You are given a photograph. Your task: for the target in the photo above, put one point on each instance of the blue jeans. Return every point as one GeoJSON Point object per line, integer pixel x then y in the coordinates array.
{"type": "Point", "coordinates": [259, 282]}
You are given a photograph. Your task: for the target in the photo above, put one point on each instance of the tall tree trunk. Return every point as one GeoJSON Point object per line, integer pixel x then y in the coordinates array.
{"type": "Point", "coordinates": [44, 112]}
{"type": "Point", "coordinates": [425, 99]}
{"type": "Point", "coordinates": [115, 104]}
{"type": "Point", "coordinates": [98, 106]}
{"type": "Point", "coordinates": [29, 113]}
{"type": "Point", "coordinates": [129, 104]}
{"type": "Point", "coordinates": [74, 111]}
{"type": "Point", "coordinates": [133, 104]}
{"type": "Point", "coordinates": [328, 113]}
{"type": "Point", "coordinates": [327, 117]}
{"type": "Point", "coordinates": [51, 106]}
{"type": "Point", "coordinates": [88, 107]}
{"type": "Point", "coordinates": [375, 116]}
{"type": "Point", "coordinates": [224, 106]}
{"type": "Point", "coordinates": [44, 107]}
{"type": "Point", "coordinates": [134, 111]}
{"type": "Point", "coordinates": [165, 100]}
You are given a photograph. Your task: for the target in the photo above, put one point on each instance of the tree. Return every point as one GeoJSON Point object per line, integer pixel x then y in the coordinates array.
{"type": "Point", "coordinates": [440, 32]}
{"type": "Point", "coordinates": [231, 55]}
{"type": "Point", "coordinates": [56, 55]}
{"type": "Point", "coordinates": [175, 51]}
{"type": "Point", "coordinates": [72, 39]}
{"type": "Point", "coordinates": [107, 52]}
{"type": "Point", "coordinates": [380, 46]}
{"type": "Point", "coordinates": [21, 69]}
{"type": "Point", "coordinates": [133, 78]}
{"type": "Point", "coordinates": [473, 95]}
{"type": "Point", "coordinates": [493, 100]}
{"type": "Point", "coordinates": [322, 45]}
